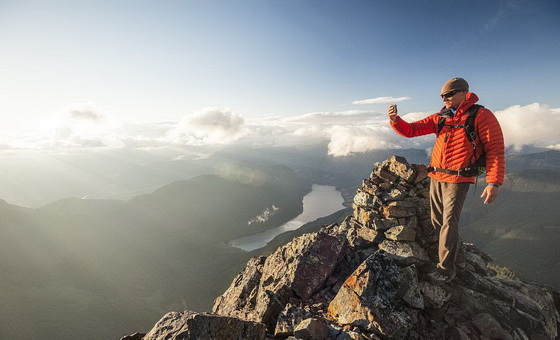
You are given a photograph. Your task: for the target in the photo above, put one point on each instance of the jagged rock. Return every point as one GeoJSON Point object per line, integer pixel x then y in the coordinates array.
{"type": "Point", "coordinates": [421, 173]}
{"type": "Point", "coordinates": [360, 236]}
{"type": "Point", "coordinates": [350, 335]}
{"type": "Point", "coordinates": [405, 253]}
{"type": "Point", "coordinates": [400, 167]}
{"type": "Point", "coordinates": [297, 270]}
{"type": "Point", "coordinates": [289, 318]}
{"type": "Point", "coordinates": [312, 329]}
{"type": "Point", "coordinates": [401, 233]}
{"type": "Point", "coordinates": [383, 224]}
{"type": "Point", "coordinates": [434, 296]}
{"type": "Point", "coordinates": [510, 302]}
{"type": "Point", "coordinates": [192, 325]}
{"type": "Point", "coordinates": [239, 300]}
{"type": "Point", "coordinates": [489, 327]}
{"type": "Point", "coordinates": [478, 263]}
{"type": "Point", "coordinates": [135, 336]}
{"type": "Point", "coordinates": [385, 175]}
{"type": "Point", "coordinates": [456, 333]}
{"type": "Point", "coordinates": [364, 216]}
{"type": "Point", "coordinates": [409, 290]}
{"type": "Point", "coordinates": [399, 209]}
{"type": "Point", "coordinates": [369, 299]}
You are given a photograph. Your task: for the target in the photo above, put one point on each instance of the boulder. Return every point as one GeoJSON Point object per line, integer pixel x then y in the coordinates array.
{"type": "Point", "coordinates": [369, 299]}
{"type": "Point", "coordinates": [192, 325]}
{"type": "Point", "coordinates": [297, 270]}
{"type": "Point", "coordinates": [409, 290]}
{"type": "Point", "coordinates": [239, 300]}
{"type": "Point", "coordinates": [289, 318]}
{"type": "Point", "coordinates": [400, 167]}
{"type": "Point", "coordinates": [405, 253]}
{"type": "Point", "coordinates": [401, 233]}
{"type": "Point", "coordinates": [312, 329]}
{"type": "Point", "coordinates": [489, 327]}
{"type": "Point", "coordinates": [399, 209]}
{"type": "Point", "coordinates": [434, 296]}
{"type": "Point", "coordinates": [135, 336]}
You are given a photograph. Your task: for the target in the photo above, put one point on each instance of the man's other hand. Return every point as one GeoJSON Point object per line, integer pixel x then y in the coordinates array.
{"type": "Point", "coordinates": [392, 112]}
{"type": "Point", "coordinates": [490, 192]}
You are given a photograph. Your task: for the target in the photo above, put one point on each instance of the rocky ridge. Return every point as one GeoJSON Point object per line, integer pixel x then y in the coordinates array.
{"type": "Point", "coordinates": [364, 279]}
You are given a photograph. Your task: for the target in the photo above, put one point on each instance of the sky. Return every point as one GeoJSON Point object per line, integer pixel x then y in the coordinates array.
{"type": "Point", "coordinates": [91, 75]}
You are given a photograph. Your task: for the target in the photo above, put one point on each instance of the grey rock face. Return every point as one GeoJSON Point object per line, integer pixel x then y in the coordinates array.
{"type": "Point", "coordinates": [312, 329]}
{"type": "Point", "coordinates": [405, 253]}
{"type": "Point", "coordinates": [369, 299]}
{"type": "Point", "coordinates": [297, 270]}
{"type": "Point", "coordinates": [240, 299]}
{"type": "Point", "coordinates": [191, 325]}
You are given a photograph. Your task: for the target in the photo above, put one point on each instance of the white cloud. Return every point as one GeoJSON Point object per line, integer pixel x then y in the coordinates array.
{"type": "Point", "coordinates": [534, 124]}
{"type": "Point", "coordinates": [78, 125]}
{"type": "Point", "coordinates": [86, 126]}
{"type": "Point", "coordinates": [380, 100]}
{"type": "Point", "coordinates": [209, 126]}
{"type": "Point", "coordinates": [345, 140]}
{"type": "Point", "coordinates": [414, 116]}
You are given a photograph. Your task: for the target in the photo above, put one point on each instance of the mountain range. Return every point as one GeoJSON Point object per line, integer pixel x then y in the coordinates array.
{"type": "Point", "coordinates": [117, 265]}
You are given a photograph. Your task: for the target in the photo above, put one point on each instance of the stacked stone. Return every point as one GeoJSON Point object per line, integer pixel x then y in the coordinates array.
{"type": "Point", "coordinates": [391, 212]}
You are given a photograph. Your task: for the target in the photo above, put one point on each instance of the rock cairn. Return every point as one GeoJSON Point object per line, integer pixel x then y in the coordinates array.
{"type": "Point", "coordinates": [363, 279]}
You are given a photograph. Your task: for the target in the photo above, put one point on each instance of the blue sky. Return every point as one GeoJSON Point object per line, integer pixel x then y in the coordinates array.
{"type": "Point", "coordinates": [154, 61]}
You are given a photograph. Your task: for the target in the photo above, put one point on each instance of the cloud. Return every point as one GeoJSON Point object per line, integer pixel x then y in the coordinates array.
{"type": "Point", "coordinates": [81, 125]}
{"type": "Point", "coordinates": [87, 126]}
{"type": "Point", "coordinates": [414, 116]}
{"type": "Point", "coordinates": [380, 100]}
{"type": "Point", "coordinates": [209, 126]}
{"type": "Point", "coordinates": [345, 140]}
{"type": "Point", "coordinates": [86, 111]}
{"type": "Point", "coordinates": [534, 124]}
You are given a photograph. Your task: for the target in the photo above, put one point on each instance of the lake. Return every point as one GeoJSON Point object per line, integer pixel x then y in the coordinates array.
{"type": "Point", "coordinates": [323, 200]}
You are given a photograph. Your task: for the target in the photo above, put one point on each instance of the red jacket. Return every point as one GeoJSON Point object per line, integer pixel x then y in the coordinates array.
{"type": "Point", "coordinates": [453, 150]}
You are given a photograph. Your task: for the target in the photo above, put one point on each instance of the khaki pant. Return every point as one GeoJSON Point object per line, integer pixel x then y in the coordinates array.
{"type": "Point", "coordinates": [446, 203]}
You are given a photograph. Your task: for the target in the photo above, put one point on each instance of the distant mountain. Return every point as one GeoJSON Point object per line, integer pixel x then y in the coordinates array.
{"type": "Point", "coordinates": [314, 163]}
{"type": "Point", "coordinates": [548, 160]}
{"type": "Point", "coordinates": [522, 227]}
{"type": "Point", "coordinates": [110, 265]}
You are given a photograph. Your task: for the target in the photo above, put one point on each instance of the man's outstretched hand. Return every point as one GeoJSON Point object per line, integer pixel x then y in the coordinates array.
{"type": "Point", "coordinates": [392, 112]}
{"type": "Point", "coordinates": [490, 192]}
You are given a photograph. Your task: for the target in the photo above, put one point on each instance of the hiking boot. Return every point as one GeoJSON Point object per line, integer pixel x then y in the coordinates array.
{"type": "Point", "coordinates": [438, 278]}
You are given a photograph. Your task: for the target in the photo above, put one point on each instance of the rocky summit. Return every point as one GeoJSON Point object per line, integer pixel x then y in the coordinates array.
{"type": "Point", "coordinates": [364, 279]}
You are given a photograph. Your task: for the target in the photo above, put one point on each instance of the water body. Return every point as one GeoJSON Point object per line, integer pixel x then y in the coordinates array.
{"type": "Point", "coordinates": [323, 200]}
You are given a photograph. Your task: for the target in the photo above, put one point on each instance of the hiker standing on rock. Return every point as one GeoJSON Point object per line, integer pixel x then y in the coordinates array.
{"type": "Point", "coordinates": [468, 136]}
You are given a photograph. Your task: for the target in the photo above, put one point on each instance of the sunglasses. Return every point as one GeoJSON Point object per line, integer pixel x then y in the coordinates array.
{"type": "Point", "coordinates": [449, 94]}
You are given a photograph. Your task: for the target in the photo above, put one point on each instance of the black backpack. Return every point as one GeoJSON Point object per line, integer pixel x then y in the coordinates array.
{"type": "Point", "coordinates": [478, 167]}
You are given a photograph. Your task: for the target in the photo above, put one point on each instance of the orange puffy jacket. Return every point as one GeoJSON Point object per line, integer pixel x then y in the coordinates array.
{"type": "Point", "coordinates": [453, 150]}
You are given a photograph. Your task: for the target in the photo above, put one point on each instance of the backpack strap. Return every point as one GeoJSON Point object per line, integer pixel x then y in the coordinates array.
{"type": "Point", "coordinates": [469, 125]}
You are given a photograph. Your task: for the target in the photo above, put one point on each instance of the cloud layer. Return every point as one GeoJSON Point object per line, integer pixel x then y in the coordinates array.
{"type": "Point", "coordinates": [534, 124]}
{"type": "Point", "coordinates": [86, 126]}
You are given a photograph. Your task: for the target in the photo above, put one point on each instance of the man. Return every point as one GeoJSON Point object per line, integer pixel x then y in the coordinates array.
{"type": "Point", "coordinates": [453, 152]}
